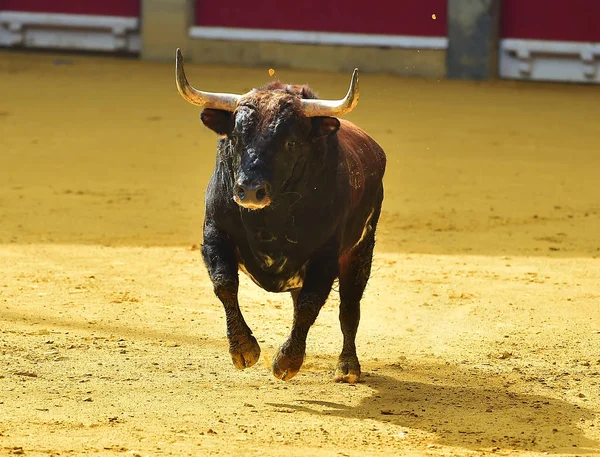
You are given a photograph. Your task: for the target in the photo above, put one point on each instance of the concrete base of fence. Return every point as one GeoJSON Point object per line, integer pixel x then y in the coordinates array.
{"type": "Point", "coordinates": [430, 63]}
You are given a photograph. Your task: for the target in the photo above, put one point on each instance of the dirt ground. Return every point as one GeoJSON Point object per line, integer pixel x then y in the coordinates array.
{"type": "Point", "coordinates": [481, 324]}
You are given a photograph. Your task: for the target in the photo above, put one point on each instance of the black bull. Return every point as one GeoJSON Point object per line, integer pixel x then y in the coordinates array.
{"type": "Point", "coordinates": [293, 202]}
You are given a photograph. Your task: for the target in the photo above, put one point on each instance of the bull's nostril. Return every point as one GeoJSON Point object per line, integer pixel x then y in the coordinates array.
{"type": "Point", "coordinates": [261, 193]}
{"type": "Point", "coordinates": [255, 196]}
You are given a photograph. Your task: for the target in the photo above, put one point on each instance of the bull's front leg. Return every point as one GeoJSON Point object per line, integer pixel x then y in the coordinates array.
{"type": "Point", "coordinates": [308, 301]}
{"type": "Point", "coordinates": [219, 256]}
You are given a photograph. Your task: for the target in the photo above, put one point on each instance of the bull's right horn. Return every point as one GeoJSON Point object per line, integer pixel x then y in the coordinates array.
{"type": "Point", "coordinates": [318, 107]}
{"type": "Point", "coordinates": [225, 102]}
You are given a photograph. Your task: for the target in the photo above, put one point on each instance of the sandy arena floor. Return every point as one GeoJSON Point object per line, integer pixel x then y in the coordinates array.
{"type": "Point", "coordinates": [481, 324]}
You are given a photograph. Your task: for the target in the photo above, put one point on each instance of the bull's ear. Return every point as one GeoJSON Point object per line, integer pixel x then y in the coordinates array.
{"type": "Point", "coordinates": [219, 121]}
{"type": "Point", "coordinates": [323, 126]}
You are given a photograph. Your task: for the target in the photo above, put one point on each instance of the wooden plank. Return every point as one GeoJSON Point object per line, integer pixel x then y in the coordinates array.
{"type": "Point", "coordinates": [127, 8]}
{"type": "Point", "coordinates": [414, 18]}
{"type": "Point", "coordinates": [558, 20]}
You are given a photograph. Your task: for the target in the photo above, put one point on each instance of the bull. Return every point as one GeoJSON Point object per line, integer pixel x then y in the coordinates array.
{"type": "Point", "coordinates": [293, 202]}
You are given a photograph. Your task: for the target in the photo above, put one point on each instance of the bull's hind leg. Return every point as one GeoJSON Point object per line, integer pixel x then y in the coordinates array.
{"type": "Point", "coordinates": [355, 270]}
{"type": "Point", "coordinates": [220, 259]}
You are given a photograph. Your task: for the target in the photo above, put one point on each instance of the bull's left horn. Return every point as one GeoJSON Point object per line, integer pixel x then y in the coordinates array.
{"type": "Point", "coordinates": [316, 107]}
{"type": "Point", "coordinates": [226, 102]}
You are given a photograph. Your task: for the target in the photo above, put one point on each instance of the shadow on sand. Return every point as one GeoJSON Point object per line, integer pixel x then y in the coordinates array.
{"type": "Point", "coordinates": [469, 417]}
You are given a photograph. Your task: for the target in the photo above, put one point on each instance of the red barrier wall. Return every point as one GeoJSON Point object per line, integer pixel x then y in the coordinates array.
{"type": "Point", "coordinates": [560, 20]}
{"type": "Point", "coordinates": [130, 8]}
{"type": "Point", "coordinates": [409, 17]}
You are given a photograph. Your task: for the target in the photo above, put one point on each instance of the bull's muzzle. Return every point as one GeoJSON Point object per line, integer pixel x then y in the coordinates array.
{"type": "Point", "coordinates": [252, 196]}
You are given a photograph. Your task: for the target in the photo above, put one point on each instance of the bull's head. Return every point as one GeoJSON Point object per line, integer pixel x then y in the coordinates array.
{"type": "Point", "coordinates": [267, 131]}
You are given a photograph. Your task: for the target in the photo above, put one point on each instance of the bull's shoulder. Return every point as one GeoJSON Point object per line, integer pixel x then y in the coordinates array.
{"type": "Point", "coordinates": [219, 204]}
{"type": "Point", "coordinates": [364, 161]}
{"type": "Point", "coordinates": [361, 150]}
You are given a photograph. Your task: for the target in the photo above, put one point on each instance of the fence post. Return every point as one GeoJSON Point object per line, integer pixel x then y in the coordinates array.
{"type": "Point", "coordinates": [473, 38]}
{"type": "Point", "coordinates": [164, 27]}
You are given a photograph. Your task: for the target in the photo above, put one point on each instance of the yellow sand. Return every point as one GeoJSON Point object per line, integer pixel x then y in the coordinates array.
{"type": "Point", "coordinates": [480, 325]}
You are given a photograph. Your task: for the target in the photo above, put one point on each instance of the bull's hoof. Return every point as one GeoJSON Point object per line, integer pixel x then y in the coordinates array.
{"type": "Point", "coordinates": [348, 370]}
{"type": "Point", "coordinates": [245, 352]}
{"type": "Point", "coordinates": [285, 367]}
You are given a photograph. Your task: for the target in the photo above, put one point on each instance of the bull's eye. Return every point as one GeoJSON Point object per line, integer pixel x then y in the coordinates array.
{"type": "Point", "coordinates": [290, 145]}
